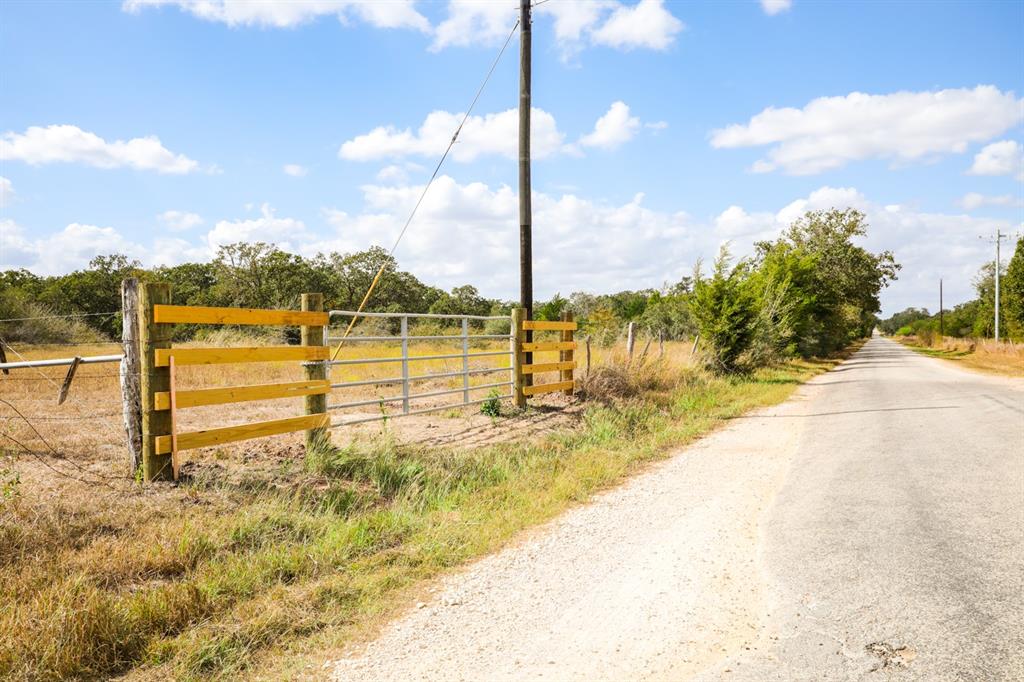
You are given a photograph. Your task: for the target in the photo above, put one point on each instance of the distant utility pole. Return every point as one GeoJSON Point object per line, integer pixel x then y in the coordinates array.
{"type": "Point", "coordinates": [942, 327]}
{"type": "Point", "coordinates": [525, 200]}
{"type": "Point", "coordinates": [999, 238]}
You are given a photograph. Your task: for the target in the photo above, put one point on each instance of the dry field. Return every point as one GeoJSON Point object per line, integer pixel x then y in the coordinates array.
{"type": "Point", "coordinates": [1004, 357]}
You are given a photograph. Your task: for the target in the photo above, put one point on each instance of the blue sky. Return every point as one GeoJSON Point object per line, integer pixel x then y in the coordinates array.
{"type": "Point", "coordinates": [163, 128]}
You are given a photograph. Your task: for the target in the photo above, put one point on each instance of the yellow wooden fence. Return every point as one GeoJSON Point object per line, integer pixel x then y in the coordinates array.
{"type": "Point", "coordinates": [527, 348]}
{"type": "Point", "coordinates": [162, 400]}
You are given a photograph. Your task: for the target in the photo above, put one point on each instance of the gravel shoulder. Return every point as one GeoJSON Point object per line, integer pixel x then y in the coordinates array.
{"type": "Point", "coordinates": [657, 579]}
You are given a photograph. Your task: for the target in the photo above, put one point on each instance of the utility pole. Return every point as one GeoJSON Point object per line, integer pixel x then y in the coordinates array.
{"type": "Point", "coordinates": [942, 327]}
{"type": "Point", "coordinates": [999, 239]}
{"type": "Point", "coordinates": [525, 199]}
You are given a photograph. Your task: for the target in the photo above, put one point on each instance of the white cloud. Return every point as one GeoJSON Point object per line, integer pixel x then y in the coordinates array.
{"type": "Point", "coordinates": [175, 250]}
{"type": "Point", "coordinates": [1000, 158]}
{"type": "Point", "coordinates": [6, 191]}
{"type": "Point", "coordinates": [773, 7]}
{"type": "Point", "coordinates": [71, 248]}
{"type": "Point", "coordinates": [295, 170]}
{"type": "Point", "coordinates": [646, 24]}
{"type": "Point", "coordinates": [469, 233]}
{"type": "Point", "coordinates": [286, 233]}
{"type": "Point", "coordinates": [71, 144]}
{"type": "Point", "coordinates": [475, 21]}
{"type": "Point", "coordinates": [574, 21]}
{"type": "Point", "coordinates": [973, 200]}
{"type": "Point", "coordinates": [613, 129]}
{"type": "Point", "coordinates": [180, 221]}
{"type": "Point", "coordinates": [481, 135]}
{"type": "Point", "coordinates": [291, 13]}
{"type": "Point", "coordinates": [904, 126]}
{"type": "Point", "coordinates": [392, 174]}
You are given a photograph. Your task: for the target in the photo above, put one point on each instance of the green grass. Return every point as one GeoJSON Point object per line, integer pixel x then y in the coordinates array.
{"type": "Point", "coordinates": [206, 592]}
{"type": "Point", "coordinates": [940, 352]}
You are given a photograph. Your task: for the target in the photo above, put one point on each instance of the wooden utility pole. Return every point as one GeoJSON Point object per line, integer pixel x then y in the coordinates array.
{"type": "Point", "coordinates": [525, 199]}
{"type": "Point", "coordinates": [154, 379]}
{"type": "Point", "coordinates": [316, 370]}
{"type": "Point", "coordinates": [999, 239]}
{"type": "Point", "coordinates": [942, 327]}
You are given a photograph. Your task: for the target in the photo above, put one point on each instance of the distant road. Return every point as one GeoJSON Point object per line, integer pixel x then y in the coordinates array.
{"type": "Point", "coordinates": [871, 528]}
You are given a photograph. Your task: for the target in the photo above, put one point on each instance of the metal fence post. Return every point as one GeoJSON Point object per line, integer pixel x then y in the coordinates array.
{"type": "Point", "coordinates": [465, 360]}
{"type": "Point", "coordinates": [315, 336]}
{"type": "Point", "coordinates": [405, 364]}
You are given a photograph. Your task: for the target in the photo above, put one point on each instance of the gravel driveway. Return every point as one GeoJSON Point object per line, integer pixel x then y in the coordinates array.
{"type": "Point", "coordinates": [813, 540]}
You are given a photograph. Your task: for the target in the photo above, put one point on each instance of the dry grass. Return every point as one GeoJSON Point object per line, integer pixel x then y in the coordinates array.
{"type": "Point", "coordinates": [987, 355]}
{"type": "Point", "coordinates": [265, 558]}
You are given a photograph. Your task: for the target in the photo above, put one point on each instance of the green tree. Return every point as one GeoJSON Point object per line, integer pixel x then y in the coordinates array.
{"type": "Point", "coordinates": [904, 318]}
{"type": "Point", "coordinates": [1012, 292]}
{"type": "Point", "coordinates": [842, 293]}
{"type": "Point", "coordinates": [725, 311]}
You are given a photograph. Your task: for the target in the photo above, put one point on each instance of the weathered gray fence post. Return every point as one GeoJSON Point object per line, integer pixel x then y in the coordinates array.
{"type": "Point", "coordinates": [131, 369]}
{"type": "Point", "coordinates": [630, 339]}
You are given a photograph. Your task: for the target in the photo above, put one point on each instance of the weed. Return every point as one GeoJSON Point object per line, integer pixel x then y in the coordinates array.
{"type": "Point", "coordinates": [492, 405]}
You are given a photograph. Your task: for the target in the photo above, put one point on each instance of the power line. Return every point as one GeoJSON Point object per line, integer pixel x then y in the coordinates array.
{"type": "Point", "coordinates": [433, 176]}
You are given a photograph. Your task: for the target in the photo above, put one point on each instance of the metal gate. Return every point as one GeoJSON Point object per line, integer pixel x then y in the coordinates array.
{"type": "Point", "coordinates": [408, 379]}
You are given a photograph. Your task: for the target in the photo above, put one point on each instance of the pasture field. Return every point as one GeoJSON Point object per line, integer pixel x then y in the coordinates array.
{"type": "Point", "coordinates": [265, 559]}
{"type": "Point", "coordinates": [985, 355]}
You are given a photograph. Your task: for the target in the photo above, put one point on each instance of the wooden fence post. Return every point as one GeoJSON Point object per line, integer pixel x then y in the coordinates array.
{"type": "Point", "coordinates": [315, 336]}
{"type": "Point", "coordinates": [517, 358]}
{"type": "Point", "coordinates": [566, 355]}
{"type": "Point", "coordinates": [131, 369]}
{"type": "Point", "coordinates": [630, 339]}
{"type": "Point", "coordinates": [153, 379]}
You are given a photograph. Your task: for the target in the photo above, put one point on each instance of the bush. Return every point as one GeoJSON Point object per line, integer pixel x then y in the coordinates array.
{"type": "Point", "coordinates": [492, 405]}
{"type": "Point", "coordinates": [726, 313]}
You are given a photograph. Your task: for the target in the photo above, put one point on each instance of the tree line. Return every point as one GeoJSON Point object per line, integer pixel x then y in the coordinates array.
{"type": "Point", "coordinates": [974, 318]}
{"type": "Point", "coordinates": [808, 293]}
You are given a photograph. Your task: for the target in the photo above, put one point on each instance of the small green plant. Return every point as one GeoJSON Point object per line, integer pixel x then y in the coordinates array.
{"type": "Point", "coordinates": [10, 484]}
{"type": "Point", "coordinates": [492, 405]}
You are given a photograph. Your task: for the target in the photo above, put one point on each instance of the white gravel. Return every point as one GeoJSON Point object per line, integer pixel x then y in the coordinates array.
{"type": "Point", "coordinates": [656, 580]}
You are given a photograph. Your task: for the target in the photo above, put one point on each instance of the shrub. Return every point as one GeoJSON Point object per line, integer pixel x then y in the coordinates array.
{"type": "Point", "coordinates": [492, 405]}
{"type": "Point", "coordinates": [726, 313]}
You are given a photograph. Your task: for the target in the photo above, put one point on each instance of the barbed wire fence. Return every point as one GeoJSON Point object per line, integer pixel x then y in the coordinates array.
{"type": "Point", "coordinates": [81, 437]}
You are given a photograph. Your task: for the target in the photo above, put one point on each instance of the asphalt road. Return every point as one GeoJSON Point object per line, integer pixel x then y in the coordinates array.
{"type": "Point", "coordinates": [896, 544]}
{"type": "Point", "coordinates": [871, 528]}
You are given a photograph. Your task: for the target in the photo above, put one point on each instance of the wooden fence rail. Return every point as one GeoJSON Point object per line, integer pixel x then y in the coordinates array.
{"type": "Point", "coordinates": [524, 371]}
{"type": "Point", "coordinates": [161, 400]}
